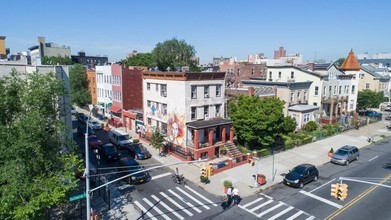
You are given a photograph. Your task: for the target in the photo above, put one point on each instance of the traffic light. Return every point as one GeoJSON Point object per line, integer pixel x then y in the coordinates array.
{"type": "Point", "coordinates": [343, 192]}
{"type": "Point", "coordinates": [210, 170]}
{"type": "Point", "coordinates": [334, 190]}
{"type": "Point", "coordinates": [204, 171]}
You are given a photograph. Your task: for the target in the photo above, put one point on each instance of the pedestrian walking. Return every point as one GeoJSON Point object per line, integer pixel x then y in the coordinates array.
{"type": "Point", "coordinates": [229, 196]}
{"type": "Point", "coordinates": [235, 196]}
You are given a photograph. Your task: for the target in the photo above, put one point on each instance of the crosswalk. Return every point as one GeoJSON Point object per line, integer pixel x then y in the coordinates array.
{"type": "Point", "coordinates": [177, 203]}
{"type": "Point", "coordinates": [265, 207]}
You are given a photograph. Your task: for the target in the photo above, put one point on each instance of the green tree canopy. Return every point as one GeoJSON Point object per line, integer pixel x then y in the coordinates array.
{"type": "Point", "coordinates": [141, 59]}
{"type": "Point", "coordinates": [174, 53]}
{"type": "Point", "coordinates": [339, 62]}
{"type": "Point", "coordinates": [34, 174]}
{"type": "Point", "coordinates": [258, 122]}
{"type": "Point", "coordinates": [157, 138]}
{"type": "Point", "coordinates": [370, 99]}
{"type": "Point", "coordinates": [56, 60]}
{"type": "Point", "coordinates": [80, 93]}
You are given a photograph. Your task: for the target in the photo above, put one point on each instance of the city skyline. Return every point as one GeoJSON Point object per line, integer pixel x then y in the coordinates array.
{"type": "Point", "coordinates": [318, 30]}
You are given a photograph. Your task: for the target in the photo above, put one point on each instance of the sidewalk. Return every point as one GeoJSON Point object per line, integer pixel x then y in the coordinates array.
{"type": "Point", "coordinates": [242, 176]}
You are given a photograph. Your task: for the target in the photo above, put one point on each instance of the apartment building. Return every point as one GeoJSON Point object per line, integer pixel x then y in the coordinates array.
{"type": "Point", "coordinates": [189, 109]}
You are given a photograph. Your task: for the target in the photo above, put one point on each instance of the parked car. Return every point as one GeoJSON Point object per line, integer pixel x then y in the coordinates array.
{"type": "Point", "coordinates": [119, 138]}
{"type": "Point", "coordinates": [94, 125]}
{"type": "Point", "coordinates": [94, 142]}
{"type": "Point", "coordinates": [82, 117]}
{"type": "Point", "coordinates": [108, 152]}
{"type": "Point", "coordinates": [387, 109]}
{"type": "Point", "coordinates": [301, 175]}
{"type": "Point", "coordinates": [138, 150]}
{"type": "Point", "coordinates": [374, 114]}
{"type": "Point", "coordinates": [129, 166]}
{"type": "Point", "coordinates": [388, 117]}
{"type": "Point", "coordinates": [345, 155]}
{"type": "Point", "coordinates": [81, 130]}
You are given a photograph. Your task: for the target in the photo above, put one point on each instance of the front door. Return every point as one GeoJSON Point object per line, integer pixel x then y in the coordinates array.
{"type": "Point", "coordinates": [217, 149]}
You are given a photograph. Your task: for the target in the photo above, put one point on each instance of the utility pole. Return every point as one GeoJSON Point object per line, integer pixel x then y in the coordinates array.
{"type": "Point", "coordinates": [87, 171]}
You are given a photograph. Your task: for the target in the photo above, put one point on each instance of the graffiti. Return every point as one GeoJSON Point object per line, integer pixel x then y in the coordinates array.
{"type": "Point", "coordinates": [176, 128]}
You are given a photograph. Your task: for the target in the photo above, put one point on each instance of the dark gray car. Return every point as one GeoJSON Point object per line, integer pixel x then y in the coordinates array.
{"type": "Point", "coordinates": [345, 155]}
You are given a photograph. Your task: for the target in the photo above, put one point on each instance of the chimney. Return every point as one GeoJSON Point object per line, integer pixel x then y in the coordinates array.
{"type": "Point", "coordinates": [250, 91]}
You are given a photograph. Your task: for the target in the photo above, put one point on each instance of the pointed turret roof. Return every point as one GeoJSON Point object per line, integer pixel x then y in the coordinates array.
{"type": "Point", "coordinates": [350, 63]}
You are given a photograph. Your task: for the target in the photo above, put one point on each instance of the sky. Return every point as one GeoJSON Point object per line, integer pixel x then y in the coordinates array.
{"type": "Point", "coordinates": [318, 29]}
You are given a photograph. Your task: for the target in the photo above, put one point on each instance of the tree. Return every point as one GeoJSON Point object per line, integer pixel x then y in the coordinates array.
{"type": "Point", "coordinates": [370, 99]}
{"type": "Point", "coordinates": [257, 122]}
{"type": "Point", "coordinates": [80, 93]}
{"type": "Point", "coordinates": [141, 59]}
{"type": "Point", "coordinates": [34, 174]}
{"type": "Point", "coordinates": [157, 138]}
{"type": "Point", "coordinates": [174, 53]}
{"type": "Point", "coordinates": [56, 60]}
{"type": "Point", "coordinates": [339, 62]}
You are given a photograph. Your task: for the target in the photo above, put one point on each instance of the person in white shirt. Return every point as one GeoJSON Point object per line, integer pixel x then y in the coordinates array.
{"type": "Point", "coordinates": [235, 195]}
{"type": "Point", "coordinates": [229, 195]}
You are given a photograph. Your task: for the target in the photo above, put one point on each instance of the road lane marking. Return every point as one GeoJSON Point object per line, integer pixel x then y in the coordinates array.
{"type": "Point", "coordinates": [372, 158]}
{"type": "Point", "coordinates": [295, 215]}
{"type": "Point", "coordinates": [206, 199]}
{"type": "Point", "coordinates": [310, 218]}
{"type": "Point", "coordinates": [322, 185]}
{"type": "Point", "coordinates": [167, 207]}
{"type": "Point", "coordinates": [248, 204]}
{"type": "Point", "coordinates": [154, 207]}
{"type": "Point", "coordinates": [270, 209]}
{"type": "Point", "coordinates": [321, 199]}
{"type": "Point", "coordinates": [358, 198]}
{"type": "Point", "coordinates": [184, 200]}
{"type": "Point", "coordinates": [161, 175]}
{"type": "Point", "coordinates": [261, 205]}
{"type": "Point", "coordinates": [145, 211]}
{"type": "Point", "coordinates": [191, 197]}
{"type": "Point", "coordinates": [175, 203]}
{"type": "Point", "coordinates": [281, 213]}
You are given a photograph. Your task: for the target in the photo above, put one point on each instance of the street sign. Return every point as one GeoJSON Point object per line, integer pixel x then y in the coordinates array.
{"type": "Point", "coordinates": [77, 197]}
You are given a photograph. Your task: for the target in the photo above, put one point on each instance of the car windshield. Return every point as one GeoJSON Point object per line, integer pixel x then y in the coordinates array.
{"type": "Point", "coordinates": [94, 123]}
{"type": "Point", "coordinates": [341, 152]}
{"type": "Point", "coordinates": [298, 170]}
{"type": "Point", "coordinates": [109, 148]}
{"type": "Point", "coordinates": [138, 148]}
{"type": "Point", "coordinates": [93, 139]}
{"type": "Point", "coordinates": [124, 137]}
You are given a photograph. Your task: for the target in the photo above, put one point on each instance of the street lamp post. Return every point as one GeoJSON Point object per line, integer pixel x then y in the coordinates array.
{"type": "Point", "coordinates": [87, 171]}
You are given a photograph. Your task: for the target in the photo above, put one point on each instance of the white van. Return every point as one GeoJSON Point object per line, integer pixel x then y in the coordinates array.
{"type": "Point", "coordinates": [119, 138]}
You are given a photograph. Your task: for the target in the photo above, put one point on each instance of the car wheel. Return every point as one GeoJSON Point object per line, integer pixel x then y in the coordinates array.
{"type": "Point", "coordinates": [357, 157]}
{"type": "Point", "coordinates": [301, 185]}
{"type": "Point", "coordinates": [347, 162]}
{"type": "Point", "coordinates": [315, 178]}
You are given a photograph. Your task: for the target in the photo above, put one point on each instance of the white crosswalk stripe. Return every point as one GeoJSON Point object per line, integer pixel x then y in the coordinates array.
{"type": "Point", "coordinates": [185, 201]}
{"type": "Point", "coordinates": [177, 205]}
{"type": "Point", "coordinates": [266, 208]}
{"type": "Point", "coordinates": [191, 197]}
{"type": "Point", "coordinates": [201, 196]}
{"type": "Point", "coordinates": [144, 210]}
{"type": "Point", "coordinates": [167, 207]}
{"type": "Point", "coordinates": [156, 209]}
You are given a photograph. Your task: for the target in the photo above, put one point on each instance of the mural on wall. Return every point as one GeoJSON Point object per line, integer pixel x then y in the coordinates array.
{"type": "Point", "coordinates": [155, 112]}
{"type": "Point", "coordinates": [176, 128]}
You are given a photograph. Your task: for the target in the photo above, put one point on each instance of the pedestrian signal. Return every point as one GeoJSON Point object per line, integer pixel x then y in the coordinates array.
{"type": "Point", "coordinates": [204, 171]}
{"type": "Point", "coordinates": [334, 190]}
{"type": "Point", "coordinates": [210, 170]}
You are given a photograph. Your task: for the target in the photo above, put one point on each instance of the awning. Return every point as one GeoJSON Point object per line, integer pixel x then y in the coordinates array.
{"type": "Point", "coordinates": [115, 109]}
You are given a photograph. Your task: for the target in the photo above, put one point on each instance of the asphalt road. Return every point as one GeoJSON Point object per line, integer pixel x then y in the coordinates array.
{"type": "Point", "coordinates": [364, 201]}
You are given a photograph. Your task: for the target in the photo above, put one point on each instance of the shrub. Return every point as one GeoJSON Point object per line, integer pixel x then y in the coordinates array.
{"type": "Point", "coordinates": [227, 183]}
{"type": "Point", "coordinates": [204, 179]}
{"type": "Point", "coordinates": [310, 126]}
{"type": "Point", "coordinates": [263, 152]}
{"type": "Point", "coordinates": [136, 141]}
{"type": "Point", "coordinates": [331, 150]}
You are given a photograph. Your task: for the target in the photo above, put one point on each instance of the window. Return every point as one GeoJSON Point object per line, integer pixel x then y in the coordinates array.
{"type": "Point", "coordinates": [324, 91]}
{"type": "Point", "coordinates": [252, 71]}
{"type": "Point", "coordinates": [206, 111]}
{"type": "Point", "coordinates": [305, 96]}
{"type": "Point", "coordinates": [292, 75]}
{"type": "Point", "coordinates": [340, 90]}
{"type": "Point", "coordinates": [164, 109]}
{"type": "Point", "coordinates": [193, 113]}
{"type": "Point", "coordinates": [270, 75]}
{"type": "Point", "coordinates": [148, 86]}
{"type": "Point", "coordinates": [279, 75]}
{"type": "Point", "coordinates": [218, 110]}
{"type": "Point", "coordinates": [306, 117]}
{"type": "Point", "coordinates": [367, 85]}
{"type": "Point", "coordinates": [353, 89]}
{"type": "Point", "coordinates": [335, 90]}
{"type": "Point", "coordinates": [238, 72]}
{"type": "Point", "coordinates": [157, 87]}
{"type": "Point", "coordinates": [163, 130]}
{"type": "Point", "coordinates": [163, 90]}
{"type": "Point", "coordinates": [148, 104]}
{"type": "Point", "coordinates": [316, 90]}
{"type": "Point", "coordinates": [193, 92]}
{"type": "Point", "coordinates": [292, 95]}
{"type": "Point", "coordinates": [298, 96]}
{"type": "Point", "coordinates": [149, 121]}
{"type": "Point", "coordinates": [218, 90]}
{"type": "Point", "coordinates": [206, 91]}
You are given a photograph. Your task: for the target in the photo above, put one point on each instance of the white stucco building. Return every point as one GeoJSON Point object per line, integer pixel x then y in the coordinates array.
{"type": "Point", "coordinates": [104, 89]}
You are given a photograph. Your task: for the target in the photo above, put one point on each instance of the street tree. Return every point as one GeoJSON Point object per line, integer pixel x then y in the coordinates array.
{"type": "Point", "coordinates": [34, 173]}
{"type": "Point", "coordinates": [370, 99]}
{"type": "Point", "coordinates": [141, 59]}
{"type": "Point", "coordinates": [258, 122]}
{"type": "Point", "coordinates": [80, 93]}
{"type": "Point", "coordinates": [174, 53]}
{"type": "Point", "coordinates": [56, 60]}
{"type": "Point", "coordinates": [157, 138]}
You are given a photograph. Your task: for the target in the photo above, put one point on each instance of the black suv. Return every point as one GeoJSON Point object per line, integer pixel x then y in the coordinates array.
{"type": "Point", "coordinates": [108, 152]}
{"type": "Point", "coordinates": [129, 166]}
{"type": "Point", "coordinates": [300, 175]}
{"type": "Point", "coordinates": [81, 130]}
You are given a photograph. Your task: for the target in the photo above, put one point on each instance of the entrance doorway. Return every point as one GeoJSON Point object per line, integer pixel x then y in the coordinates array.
{"type": "Point", "coordinates": [217, 154]}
